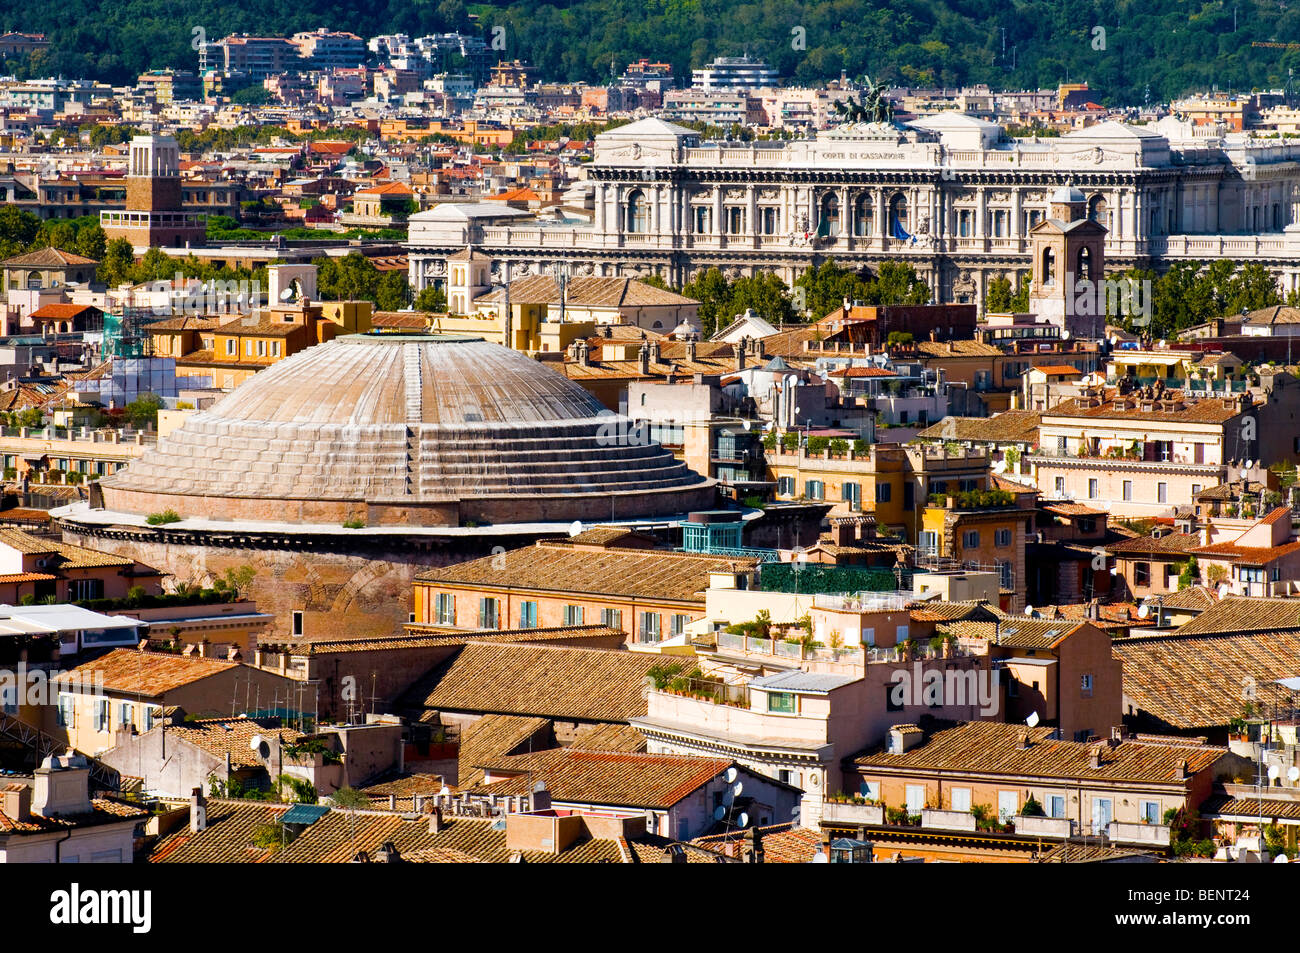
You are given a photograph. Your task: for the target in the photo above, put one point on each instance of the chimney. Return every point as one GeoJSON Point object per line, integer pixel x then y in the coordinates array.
{"type": "Point", "coordinates": [233, 654]}
{"type": "Point", "coordinates": [1022, 739]}
{"type": "Point", "coordinates": [1181, 770]}
{"type": "Point", "coordinates": [541, 797]}
{"type": "Point", "coordinates": [1094, 757]}
{"type": "Point", "coordinates": [198, 811]}
{"type": "Point", "coordinates": [755, 846]}
{"type": "Point", "coordinates": [655, 351]}
{"type": "Point", "coordinates": [16, 802]}
{"type": "Point", "coordinates": [62, 786]}
{"type": "Point", "coordinates": [742, 351]}
{"type": "Point", "coordinates": [144, 645]}
{"type": "Point", "coordinates": [203, 648]}
{"type": "Point", "coordinates": [690, 351]}
{"type": "Point", "coordinates": [435, 820]}
{"type": "Point", "coordinates": [643, 359]}
{"type": "Point", "coordinates": [584, 353]}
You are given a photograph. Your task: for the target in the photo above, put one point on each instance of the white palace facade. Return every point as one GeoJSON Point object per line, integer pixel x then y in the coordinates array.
{"type": "Point", "coordinates": [952, 195]}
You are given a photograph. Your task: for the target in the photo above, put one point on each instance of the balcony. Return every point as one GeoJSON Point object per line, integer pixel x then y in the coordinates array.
{"type": "Point", "coordinates": [1058, 827]}
{"type": "Point", "coordinates": [948, 820]}
{"type": "Point", "coordinates": [789, 651]}
{"type": "Point", "coordinates": [852, 815]}
{"type": "Point", "coordinates": [1150, 835]}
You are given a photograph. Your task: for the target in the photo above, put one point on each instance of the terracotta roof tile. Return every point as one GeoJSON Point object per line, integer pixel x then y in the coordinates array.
{"type": "Point", "coordinates": [991, 748]}
{"type": "Point", "coordinates": [547, 681]}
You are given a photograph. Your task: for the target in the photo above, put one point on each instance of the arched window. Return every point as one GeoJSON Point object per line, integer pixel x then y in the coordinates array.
{"type": "Point", "coordinates": [898, 224]}
{"type": "Point", "coordinates": [1083, 265]}
{"type": "Point", "coordinates": [638, 212]}
{"type": "Point", "coordinates": [1098, 211]}
{"type": "Point", "coordinates": [828, 223]}
{"type": "Point", "coordinates": [864, 216]}
{"type": "Point", "coordinates": [33, 280]}
{"type": "Point", "coordinates": [1048, 269]}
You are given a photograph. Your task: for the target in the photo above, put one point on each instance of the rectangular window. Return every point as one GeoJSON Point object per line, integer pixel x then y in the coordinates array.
{"type": "Point", "coordinates": [232, 347]}
{"type": "Point", "coordinates": [781, 702]}
{"type": "Point", "coordinates": [1056, 806]}
{"type": "Point", "coordinates": [1059, 486]}
{"type": "Point", "coordinates": [901, 634]}
{"type": "Point", "coordinates": [961, 799]}
{"type": "Point", "coordinates": [1128, 489]}
{"type": "Point", "coordinates": [445, 609]}
{"type": "Point", "coordinates": [971, 539]}
{"type": "Point", "coordinates": [1150, 811]}
{"type": "Point", "coordinates": [785, 486]}
{"type": "Point", "coordinates": [915, 798]}
{"type": "Point", "coordinates": [1141, 574]}
{"type": "Point", "coordinates": [612, 618]}
{"type": "Point", "coordinates": [1008, 805]}
{"type": "Point", "coordinates": [67, 710]}
{"type": "Point", "coordinates": [297, 622]}
{"type": "Point", "coordinates": [1085, 686]}
{"type": "Point", "coordinates": [1092, 489]}
{"type": "Point", "coordinates": [487, 612]}
{"type": "Point", "coordinates": [79, 589]}
{"type": "Point", "coordinates": [528, 615]}
{"type": "Point", "coordinates": [101, 714]}
{"type": "Point", "coordinates": [677, 625]}
{"type": "Point", "coordinates": [650, 631]}
{"type": "Point", "coordinates": [124, 715]}
{"type": "Point", "coordinates": [815, 489]}
{"type": "Point", "coordinates": [1162, 492]}
{"type": "Point", "coordinates": [851, 493]}
{"type": "Point", "coordinates": [147, 717]}
{"type": "Point", "coordinates": [1002, 537]}
{"type": "Point", "coordinates": [870, 790]}
{"type": "Point", "coordinates": [573, 615]}
{"type": "Point", "coordinates": [884, 492]}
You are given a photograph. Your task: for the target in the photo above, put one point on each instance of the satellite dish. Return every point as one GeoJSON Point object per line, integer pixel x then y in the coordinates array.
{"type": "Point", "coordinates": [742, 820]}
{"type": "Point", "coordinates": [1162, 343]}
{"type": "Point", "coordinates": [820, 858]}
{"type": "Point", "coordinates": [1248, 464]}
{"type": "Point", "coordinates": [1274, 772]}
{"type": "Point", "coordinates": [1029, 610]}
{"type": "Point", "coordinates": [255, 742]}
{"type": "Point", "coordinates": [1000, 467]}
{"type": "Point", "coordinates": [738, 788]}
{"type": "Point", "coordinates": [1065, 335]}
{"type": "Point", "coordinates": [539, 787]}
{"type": "Point", "coordinates": [746, 424]}
{"type": "Point", "coordinates": [1032, 720]}
{"type": "Point", "coordinates": [1114, 571]}
{"type": "Point", "coordinates": [719, 812]}
{"type": "Point", "coordinates": [1281, 859]}
{"type": "Point", "coordinates": [731, 775]}
{"type": "Point", "coordinates": [287, 294]}
{"type": "Point", "coordinates": [1113, 340]}
{"type": "Point", "coordinates": [1293, 774]}
{"type": "Point", "coordinates": [575, 528]}
{"type": "Point", "coordinates": [445, 791]}
{"type": "Point", "coordinates": [1144, 611]}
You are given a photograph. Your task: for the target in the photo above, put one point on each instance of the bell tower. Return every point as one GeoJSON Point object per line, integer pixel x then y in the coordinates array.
{"type": "Point", "coordinates": [1069, 267]}
{"type": "Point", "coordinates": [155, 208]}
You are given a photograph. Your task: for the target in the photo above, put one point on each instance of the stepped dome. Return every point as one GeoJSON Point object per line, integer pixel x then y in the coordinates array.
{"type": "Point", "coordinates": [421, 429]}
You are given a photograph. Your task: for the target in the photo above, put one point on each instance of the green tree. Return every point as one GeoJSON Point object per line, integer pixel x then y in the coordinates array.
{"type": "Point", "coordinates": [829, 285]}
{"type": "Point", "coordinates": [392, 292]}
{"type": "Point", "coordinates": [91, 241]}
{"type": "Point", "coordinates": [432, 299]}
{"type": "Point", "coordinates": [117, 264]}
{"type": "Point", "coordinates": [143, 411]}
{"type": "Point", "coordinates": [351, 278]}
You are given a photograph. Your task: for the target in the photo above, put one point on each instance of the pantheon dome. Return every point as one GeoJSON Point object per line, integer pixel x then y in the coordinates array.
{"type": "Point", "coordinates": [414, 429]}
